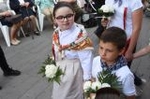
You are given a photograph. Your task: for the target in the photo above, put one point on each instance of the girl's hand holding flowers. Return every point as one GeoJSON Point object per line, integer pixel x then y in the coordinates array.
{"type": "Point", "coordinates": [51, 71]}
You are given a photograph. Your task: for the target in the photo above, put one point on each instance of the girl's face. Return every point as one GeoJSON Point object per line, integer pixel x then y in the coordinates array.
{"type": "Point", "coordinates": [109, 52]}
{"type": "Point", "coordinates": [64, 17]}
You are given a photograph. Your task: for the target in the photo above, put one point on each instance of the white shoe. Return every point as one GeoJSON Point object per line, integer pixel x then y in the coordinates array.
{"type": "Point", "coordinates": [143, 81]}
{"type": "Point", "coordinates": [18, 41]}
{"type": "Point", "coordinates": [14, 42]}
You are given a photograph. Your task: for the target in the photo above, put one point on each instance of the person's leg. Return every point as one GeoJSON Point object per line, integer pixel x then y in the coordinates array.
{"type": "Point", "coordinates": [5, 67]}
{"type": "Point", "coordinates": [13, 34]}
{"type": "Point", "coordinates": [3, 63]}
{"type": "Point", "coordinates": [48, 13]}
{"type": "Point", "coordinates": [32, 22]}
{"type": "Point", "coordinates": [137, 80]}
{"type": "Point", "coordinates": [13, 31]}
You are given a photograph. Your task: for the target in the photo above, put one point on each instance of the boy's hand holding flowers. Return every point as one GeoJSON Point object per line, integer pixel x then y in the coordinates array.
{"type": "Point", "coordinates": [105, 79]}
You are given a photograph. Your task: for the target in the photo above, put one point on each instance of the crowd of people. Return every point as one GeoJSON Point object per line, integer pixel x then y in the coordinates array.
{"type": "Point", "coordinates": [73, 49]}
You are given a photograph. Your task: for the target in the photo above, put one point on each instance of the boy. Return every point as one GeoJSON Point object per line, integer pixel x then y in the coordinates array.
{"type": "Point", "coordinates": [111, 48]}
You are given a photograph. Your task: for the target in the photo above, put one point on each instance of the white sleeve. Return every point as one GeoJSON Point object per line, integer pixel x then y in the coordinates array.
{"type": "Point", "coordinates": [96, 67]}
{"type": "Point", "coordinates": [86, 58]}
{"type": "Point", "coordinates": [128, 85]}
{"type": "Point", "coordinates": [135, 4]}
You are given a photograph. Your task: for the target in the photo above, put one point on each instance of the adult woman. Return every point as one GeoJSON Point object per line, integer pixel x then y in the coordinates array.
{"type": "Point", "coordinates": [72, 49]}
{"type": "Point", "coordinates": [4, 13]}
{"type": "Point", "coordinates": [128, 16]}
{"type": "Point", "coordinates": [24, 7]}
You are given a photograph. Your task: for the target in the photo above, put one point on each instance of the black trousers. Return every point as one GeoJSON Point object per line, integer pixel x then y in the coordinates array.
{"type": "Point", "coordinates": [137, 80]}
{"type": "Point", "coordinates": [3, 63]}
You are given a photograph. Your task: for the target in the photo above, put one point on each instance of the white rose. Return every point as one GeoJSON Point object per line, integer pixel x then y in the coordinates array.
{"type": "Point", "coordinates": [86, 85]}
{"type": "Point", "coordinates": [96, 85]}
{"type": "Point", "coordinates": [105, 85]}
{"type": "Point", "coordinates": [50, 71]}
{"type": "Point", "coordinates": [111, 9]}
{"type": "Point", "coordinates": [105, 8]}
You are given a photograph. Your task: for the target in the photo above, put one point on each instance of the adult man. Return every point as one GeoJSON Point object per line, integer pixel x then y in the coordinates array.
{"type": "Point", "coordinates": [5, 67]}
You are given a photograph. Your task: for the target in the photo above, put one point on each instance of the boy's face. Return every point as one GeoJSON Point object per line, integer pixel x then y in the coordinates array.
{"type": "Point", "coordinates": [109, 52]}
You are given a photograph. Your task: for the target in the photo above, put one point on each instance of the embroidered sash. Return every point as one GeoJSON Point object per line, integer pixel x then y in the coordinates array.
{"type": "Point", "coordinates": [82, 42]}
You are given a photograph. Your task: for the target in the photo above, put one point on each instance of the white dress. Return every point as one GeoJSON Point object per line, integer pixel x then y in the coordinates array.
{"type": "Point", "coordinates": [76, 64]}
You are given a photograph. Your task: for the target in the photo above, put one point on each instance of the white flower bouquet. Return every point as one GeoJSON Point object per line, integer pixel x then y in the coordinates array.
{"type": "Point", "coordinates": [105, 79]}
{"type": "Point", "coordinates": [106, 11]}
{"type": "Point", "coordinates": [50, 70]}
{"type": "Point", "coordinates": [90, 88]}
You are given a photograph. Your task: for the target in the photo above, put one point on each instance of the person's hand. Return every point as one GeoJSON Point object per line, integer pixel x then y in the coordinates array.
{"type": "Point", "coordinates": [129, 55]}
{"type": "Point", "coordinates": [27, 4]}
{"type": "Point", "coordinates": [22, 4]}
{"type": "Point", "coordinates": [63, 47]}
{"type": "Point", "coordinates": [7, 13]}
{"type": "Point", "coordinates": [104, 22]}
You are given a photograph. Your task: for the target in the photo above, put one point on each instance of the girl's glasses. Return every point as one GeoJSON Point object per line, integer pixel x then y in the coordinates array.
{"type": "Point", "coordinates": [62, 18]}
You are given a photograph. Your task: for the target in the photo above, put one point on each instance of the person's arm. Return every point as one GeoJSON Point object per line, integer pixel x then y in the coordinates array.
{"type": "Point", "coordinates": [6, 13]}
{"type": "Point", "coordinates": [137, 17]}
{"type": "Point", "coordinates": [1, 14]}
{"type": "Point", "coordinates": [142, 52]}
{"type": "Point", "coordinates": [31, 4]}
{"type": "Point", "coordinates": [86, 59]}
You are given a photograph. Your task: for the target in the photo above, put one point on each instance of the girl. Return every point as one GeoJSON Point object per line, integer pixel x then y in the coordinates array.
{"type": "Point", "coordinates": [72, 50]}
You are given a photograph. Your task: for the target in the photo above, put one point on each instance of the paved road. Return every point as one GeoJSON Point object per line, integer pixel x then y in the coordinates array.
{"type": "Point", "coordinates": [29, 55]}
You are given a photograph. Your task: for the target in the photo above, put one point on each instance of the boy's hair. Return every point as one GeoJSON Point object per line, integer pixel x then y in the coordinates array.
{"type": "Point", "coordinates": [114, 35]}
{"type": "Point", "coordinates": [107, 93]}
{"type": "Point", "coordinates": [60, 5]}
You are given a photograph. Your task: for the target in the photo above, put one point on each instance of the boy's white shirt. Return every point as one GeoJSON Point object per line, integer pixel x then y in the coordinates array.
{"type": "Point", "coordinates": [124, 74]}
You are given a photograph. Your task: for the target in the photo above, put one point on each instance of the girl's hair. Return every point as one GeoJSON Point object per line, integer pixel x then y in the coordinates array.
{"type": "Point", "coordinates": [107, 93]}
{"type": "Point", "coordinates": [62, 4]}
{"type": "Point", "coordinates": [114, 35]}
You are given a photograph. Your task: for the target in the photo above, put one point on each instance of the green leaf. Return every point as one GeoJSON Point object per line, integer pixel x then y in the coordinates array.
{"type": "Point", "coordinates": [107, 77]}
